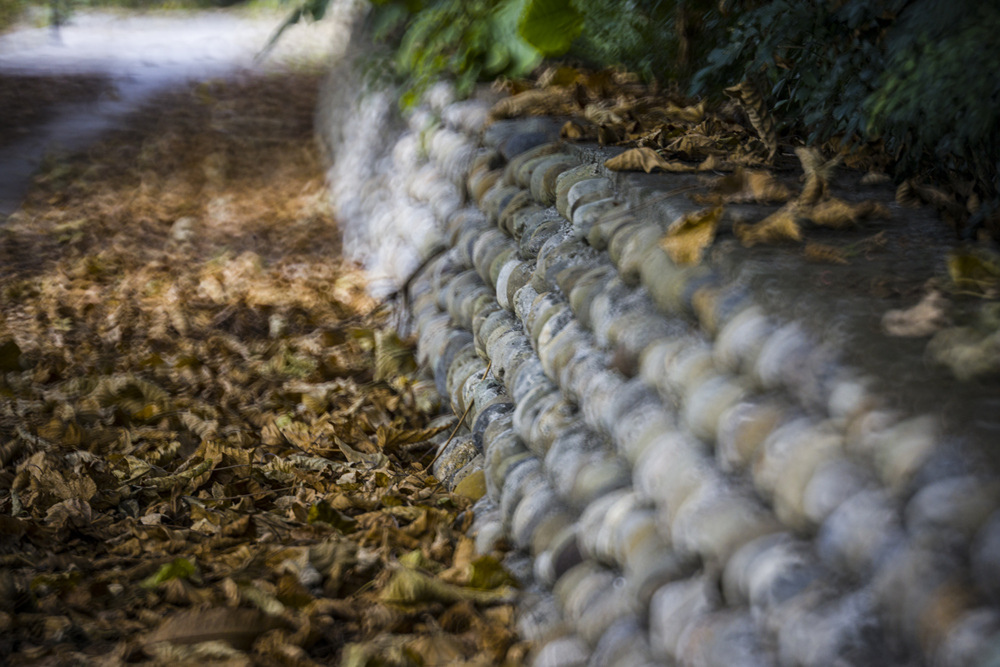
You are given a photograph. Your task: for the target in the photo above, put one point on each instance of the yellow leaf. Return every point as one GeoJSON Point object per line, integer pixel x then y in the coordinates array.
{"type": "Point", "coordinates": [603, 113]}
{"type": "Point", "coordinates": [550, 101]}
{"type": "Point", "coordinates": [712, 163]}
{"type": "Point", "coordinates": [560, 76]}
{"type": "Point", "coordinates": [923, 319]}
{"type": "Point", "coordinates": [437, 649]}
{"type": "Point", "coordinates": [575, 130]}
{"type": "Point", "coordinates": [753, 104]}
{"type": "Point", "coordinates": [690, 114]}
{"type": "Point", "coordinates": [237, 627]}
{"type": "Point", "coordinates": [472, 486]}
{"type": "Point", "coordinates": [820, 252]}
{"type": "Point", "coordinates": [693, 144]}
{"type": "Point", "coordinates": [974, 271]}
{"type": "Point", "coordinates": [644, 159]}
{"type": "Point", "coordinates": [393, 357]}
{"type": "Point", "coordinates": [818, 172]}
{"type": "Point", "coordinates": [875, 178]}
{"type": "Point", "coordinates": [782, 225]}
{"type": "Point", "coordinates": [838, 214]}
{"type": "Point", "coordinates": [743, 186]}
{"type": "Point", "coordinates": [688, 237]}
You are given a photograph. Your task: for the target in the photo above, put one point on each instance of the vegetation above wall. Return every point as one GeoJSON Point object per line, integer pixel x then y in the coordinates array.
{"type": "Point", "coordinates": [908, 80]}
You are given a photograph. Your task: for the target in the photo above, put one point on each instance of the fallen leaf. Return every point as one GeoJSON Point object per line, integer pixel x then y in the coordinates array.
{"type": "Point", "coordinates": [236, 627]}
{"type": "Point", "coordinates": [644, 159]}
{"type": "Point", "coordinates": [782, 225]}
{"type": "Point", "coordinates": [977, 272]}
{"type": "Point", "coordinates": [693, 145]}
{"type": "Point", "coordinates": [689, 114]}
{"type": "Point", "coordinates": [687, 238]}
{"type": "Point", "coordinates": [179, 568]}
{"type": "Point", "coordinates": [906, 194]}
{"type": "Point", "coordinates": [875, 178]}
{"type": "Point", "coordinates": [818, 172]}
{"type": "Point", "coordinates": [438, 649]}
{"type": "Point", "coordinates": [756, 186]}
{"type": "Point", "coordinates": [820, 252]}
{"type": "Point", "coordinates": [562, 76]}
{"type": "Point", "coordinates": [576, 130]}
{"type": "Point", "coordinates": [536, 102]}
{"type": "Point", "coordinates": [925, 318]}
{"type": "Point", "coordinates": [472, 486]}
{"type": "Point", "coordinates": [763, 123]}
{"type": "Point", "coordinates": [411, 587]}
{"type": "Point", "coordinates": [603, 113]}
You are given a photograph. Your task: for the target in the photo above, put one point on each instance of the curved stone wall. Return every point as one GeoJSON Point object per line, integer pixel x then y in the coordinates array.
{"type": "Point", "coordinates": [689, 476]}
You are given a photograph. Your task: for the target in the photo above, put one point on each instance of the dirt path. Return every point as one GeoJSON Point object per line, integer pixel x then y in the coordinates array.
{"type": "Point", "coordinates": [210, 449]}
{"type": "Point", "coordinates": [79, 84]}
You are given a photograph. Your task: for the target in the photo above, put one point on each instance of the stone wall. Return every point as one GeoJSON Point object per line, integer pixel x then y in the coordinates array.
{"type": "Point", "coordinates": [692, 469]}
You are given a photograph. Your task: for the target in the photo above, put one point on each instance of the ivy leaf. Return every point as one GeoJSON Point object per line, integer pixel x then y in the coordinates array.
{"type": "Point", "coordinates": [550, 25]}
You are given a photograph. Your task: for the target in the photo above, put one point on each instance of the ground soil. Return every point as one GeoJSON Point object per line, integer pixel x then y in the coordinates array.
{"type": "Point", "coordinates": [211, 447]}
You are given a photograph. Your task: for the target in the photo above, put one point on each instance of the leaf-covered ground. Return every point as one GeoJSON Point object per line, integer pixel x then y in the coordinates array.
{"type": "Point", "coordinates": [211, 450]}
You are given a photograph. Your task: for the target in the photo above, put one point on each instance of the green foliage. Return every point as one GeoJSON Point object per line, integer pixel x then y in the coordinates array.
{"type": "Point", "coordinates": [917, 75]}
{"type": "Point", "coordinates": [659, 39]}
{"type": "Point", "coordinates": [550, 25]}
{"type": "Point", "coordinates": [467, 41]}
{"type": "Point", "coordinates": [939, 95]}
{"type": "Point", "coordinates": [820, 61]}
{"type": "Point", "coordinates": [178, 568]}
{"type": "Point", "coordinates": [10, 12]}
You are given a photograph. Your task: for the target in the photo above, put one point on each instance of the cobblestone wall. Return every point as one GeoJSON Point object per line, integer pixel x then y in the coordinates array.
{"type": "Point", "coordinates": [688, 477]}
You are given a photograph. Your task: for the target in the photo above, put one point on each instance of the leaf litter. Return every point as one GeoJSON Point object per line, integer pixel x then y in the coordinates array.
{"type": "Point", "coordinates": [211, 446]}
{"type": "Point", "coordinates": [662, 130]}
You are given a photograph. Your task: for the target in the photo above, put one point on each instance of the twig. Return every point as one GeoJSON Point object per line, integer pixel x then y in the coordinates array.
{"type": "Point", "coordinates": [461, 420]}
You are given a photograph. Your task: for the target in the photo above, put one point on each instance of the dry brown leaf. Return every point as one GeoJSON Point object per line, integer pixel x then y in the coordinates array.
{"type": "Point", "coordinates": [237, 627]}
{"type": "Point", "coordinates": [924, 319]}
{"type": "Point", "coordinates": [689, 114]}
{"type": "Point", "coordinates": [687, 238]}
{"type": "Point", "coordinates": [780, 226]}
{"type": "Point", "coordinates": [875, 178]}
{"type": "Point", "coordinates": [762, 187]}
{"type": "Point", "coordinates": [562, 75]}
{"type": "Point", "coordinates": [906, 194]}
{"type": "Point", "coordinates": [644, 159]}
{"type": "Point", "coordinates": [438, 649]}
{"type": "Point", "coordinates": [604, 113]}
{"type": "Point", "coordinates": [549, 101]}
{"type": "Point", "coordinates": [760, 118]}
{"type": "Point", "coordinates": [744, 185]}
{"type": "Point", "coordinates": [576, 130]}
{"type": "Point", "coordinates": [818, 172]}
{"type": "Point", "coordinates": [713, 163]}
{"type": "Point", "coordinates": [820, 252]}
{"type": "Point", "coordinates": [974, 271]}
{"type": "Point", "coordinates": [839, 214]}
{"type": "Point", "coordinates": [693, 145]}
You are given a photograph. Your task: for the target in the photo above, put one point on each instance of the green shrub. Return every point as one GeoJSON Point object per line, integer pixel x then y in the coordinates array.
{"type": "Point", "coordinates": [10, 12]}
{"type": "Point", "coordinates": [938, 99]}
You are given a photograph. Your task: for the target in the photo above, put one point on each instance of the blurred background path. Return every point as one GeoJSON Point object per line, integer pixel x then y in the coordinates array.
{"type": "Point", "coordinates": [113, 63]}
